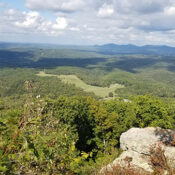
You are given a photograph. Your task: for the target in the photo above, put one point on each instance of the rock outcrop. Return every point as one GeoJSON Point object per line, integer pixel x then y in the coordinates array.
{"type": "Point", "coordinates": [136, 144]}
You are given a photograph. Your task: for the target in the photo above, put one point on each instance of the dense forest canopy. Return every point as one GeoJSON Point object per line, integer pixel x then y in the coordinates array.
{"type": "Point", "coordinates": [72, 134]}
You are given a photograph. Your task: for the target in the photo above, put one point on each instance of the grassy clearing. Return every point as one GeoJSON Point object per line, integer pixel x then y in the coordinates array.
{"type": "Point", "coordinates": [73, 79]}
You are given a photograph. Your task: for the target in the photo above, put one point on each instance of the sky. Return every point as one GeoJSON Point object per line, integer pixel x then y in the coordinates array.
{"type": "Point", "coordinates": [88, 22]}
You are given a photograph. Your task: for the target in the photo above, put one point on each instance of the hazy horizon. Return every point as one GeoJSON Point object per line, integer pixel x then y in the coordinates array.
{"type": "Point", "coordinates": [83, 44]}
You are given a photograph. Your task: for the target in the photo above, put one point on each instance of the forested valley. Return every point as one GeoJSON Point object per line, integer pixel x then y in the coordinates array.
{"type": "Point", "coordinates": [52, 127]}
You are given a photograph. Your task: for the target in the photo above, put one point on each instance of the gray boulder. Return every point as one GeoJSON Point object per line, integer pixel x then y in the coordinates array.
{"type": "Point", "coordinates": [136, 143]}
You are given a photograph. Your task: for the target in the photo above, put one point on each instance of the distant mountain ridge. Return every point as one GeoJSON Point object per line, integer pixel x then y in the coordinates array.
{"type": "Point", "coordinates": [133, 49]}
{"type": "Point", "coordinates": [108, 49]}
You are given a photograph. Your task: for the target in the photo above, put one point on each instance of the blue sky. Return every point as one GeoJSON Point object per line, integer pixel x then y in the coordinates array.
{"type": "Point", "coordinates": [18, 4]}
{"type": "Point", "coordinates": [87, 22]}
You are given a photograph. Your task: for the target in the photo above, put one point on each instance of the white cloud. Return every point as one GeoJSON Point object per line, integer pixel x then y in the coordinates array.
{"type": "Point", "coordinates": [61, 23]}
{"type": "Point", "coordinates": [72, 5]}
{"type": "Point", "coordinates": [93, 21]}
{"type": "Point", "coordinates": [141, 6]}
{"type": "Point", "coordinates": [31, 22]}
{"type": "Point", "coordinates": [45, 26]}
{"type": "Point", "coordinates": [56, 5]}
{"type": "Point", "coordinates": [170, 10]}
{"type": "Point", "coordinates": [75, 29]}
{"type": "Point", "coordinates": [11, 11]}
{"type": "Point", "coordinates": [1, 4]}
{"type": "Point", "coordinates": [31, 19]}
{"type": "Point", "coordinates": [106, 10]}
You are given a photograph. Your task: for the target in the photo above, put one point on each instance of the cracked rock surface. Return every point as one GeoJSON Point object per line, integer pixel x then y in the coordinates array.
{"type": "Point", "coordinates": [136, 143]}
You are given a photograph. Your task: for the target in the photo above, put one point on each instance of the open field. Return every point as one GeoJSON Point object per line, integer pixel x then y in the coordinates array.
{"type": "Point", "coordinates": [73, 79]}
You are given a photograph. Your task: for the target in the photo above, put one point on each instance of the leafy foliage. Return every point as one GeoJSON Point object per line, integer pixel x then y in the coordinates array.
{"type": "Point", "coordinates": [70, 135]}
